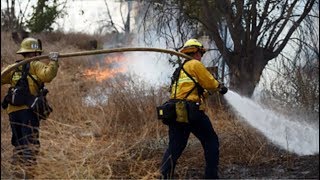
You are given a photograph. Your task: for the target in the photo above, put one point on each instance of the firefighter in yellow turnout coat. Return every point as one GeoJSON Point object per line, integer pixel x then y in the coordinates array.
{"type": "Point", "coordinates": [192, 81]}
{"type": "Point", "coordinates": [23, 121]}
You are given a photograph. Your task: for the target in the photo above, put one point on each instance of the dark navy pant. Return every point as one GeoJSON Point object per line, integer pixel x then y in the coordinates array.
{"type": "Point", "coordinates": [200, 125]}
{"type": "Point", "coordinates": [25, 135]}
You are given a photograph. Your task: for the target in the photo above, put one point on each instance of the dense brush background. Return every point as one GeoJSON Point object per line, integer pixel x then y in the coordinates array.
{"type": "Point", "coordinates": [123, 138]}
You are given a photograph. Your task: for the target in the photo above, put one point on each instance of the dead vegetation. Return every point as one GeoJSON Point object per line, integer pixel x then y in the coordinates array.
{"type": "Point", "coordinates": [122, 138]}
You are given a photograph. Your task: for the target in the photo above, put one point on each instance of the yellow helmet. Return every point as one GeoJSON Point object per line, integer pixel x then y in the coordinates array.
{"type": "Point", "coordinates": [192, 46]}
{"type": "Point", "coordinates": [30, 45]}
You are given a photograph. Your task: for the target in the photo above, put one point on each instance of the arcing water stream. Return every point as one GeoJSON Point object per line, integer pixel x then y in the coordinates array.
{"type": "Point", "coordinates": [293, 135]}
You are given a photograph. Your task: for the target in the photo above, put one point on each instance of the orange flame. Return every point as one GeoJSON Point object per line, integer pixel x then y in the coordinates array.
{"type": "Point", "coordinates": [108, 69]}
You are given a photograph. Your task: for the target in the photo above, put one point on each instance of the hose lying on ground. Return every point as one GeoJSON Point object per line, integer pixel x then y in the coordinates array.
{"type": "Point", "coordinates": [93, 52]}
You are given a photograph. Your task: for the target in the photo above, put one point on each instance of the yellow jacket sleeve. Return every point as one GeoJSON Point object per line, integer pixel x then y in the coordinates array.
{"type": "Point", "coordinates": [45, 72]}
{"type": "Point", "coordinates": [6, 79]}
{"type": "Point", "coordinates": [203, 76]}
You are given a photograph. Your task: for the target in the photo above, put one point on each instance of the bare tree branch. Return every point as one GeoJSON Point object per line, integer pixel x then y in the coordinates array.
{"type": "Point", "coordinates": [306, 10]}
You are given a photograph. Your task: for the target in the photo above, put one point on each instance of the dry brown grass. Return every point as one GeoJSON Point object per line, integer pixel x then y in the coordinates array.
{"type": "Point", "coordinates": [121, 138]}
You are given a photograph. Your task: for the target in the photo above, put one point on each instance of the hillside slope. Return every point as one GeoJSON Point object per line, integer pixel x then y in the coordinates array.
{"type": "Point", "coordinates": [121, 137]}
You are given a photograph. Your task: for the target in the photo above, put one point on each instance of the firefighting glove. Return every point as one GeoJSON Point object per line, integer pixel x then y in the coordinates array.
{"type": "Point", "coordinates": [53, 56]}
{"type": "Point", "coordinates": [222, 89]}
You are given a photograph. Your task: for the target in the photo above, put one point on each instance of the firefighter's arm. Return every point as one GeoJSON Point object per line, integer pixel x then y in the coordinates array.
{"type": "Point", "coordinates": [46, 72]}
{"type": "Point", "coordinates": [6, 79]}
{"type": "Point", "coordinates": [205, 78]}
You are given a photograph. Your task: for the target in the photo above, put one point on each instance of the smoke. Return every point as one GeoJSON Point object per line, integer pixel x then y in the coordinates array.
{"type": "Point", "coordinates": [289, 133]}
{"type": "Point", "coordinates": [155, 70]}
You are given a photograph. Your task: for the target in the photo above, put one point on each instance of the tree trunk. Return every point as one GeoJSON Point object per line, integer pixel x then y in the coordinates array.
{"type": "Point", "coordinates": [245, 71]}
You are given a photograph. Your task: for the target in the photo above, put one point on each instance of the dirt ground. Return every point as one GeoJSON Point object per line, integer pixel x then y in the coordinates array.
{"type": "Point", "coordinates": [286, 166]}
{"type": "Point", "coordinates": [293, 167]}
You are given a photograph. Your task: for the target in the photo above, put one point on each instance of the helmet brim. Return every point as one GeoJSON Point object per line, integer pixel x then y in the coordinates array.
{"type": "Point", "coordinates": [192, 49]}
{"type": "Point", "coordinates": [22, 51]}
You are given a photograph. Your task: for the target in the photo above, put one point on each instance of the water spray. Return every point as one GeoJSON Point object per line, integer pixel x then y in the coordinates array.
{"type": "Point", "coordinates": [94, 52]}
{"type": "Point", "coordinates": [289, 133]}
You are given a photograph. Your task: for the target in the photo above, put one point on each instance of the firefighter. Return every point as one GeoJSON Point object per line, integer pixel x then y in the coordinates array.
{"type": "Point", "coordinates": [23, 121]}
{"type": "Point", "coordinates": [191, 82]}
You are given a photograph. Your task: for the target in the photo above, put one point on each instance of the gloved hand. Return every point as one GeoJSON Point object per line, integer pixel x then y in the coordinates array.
{"type": "Point", "coordinates": [53, 56]}
{"type": "Point", "coordinates": [222, 89]}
